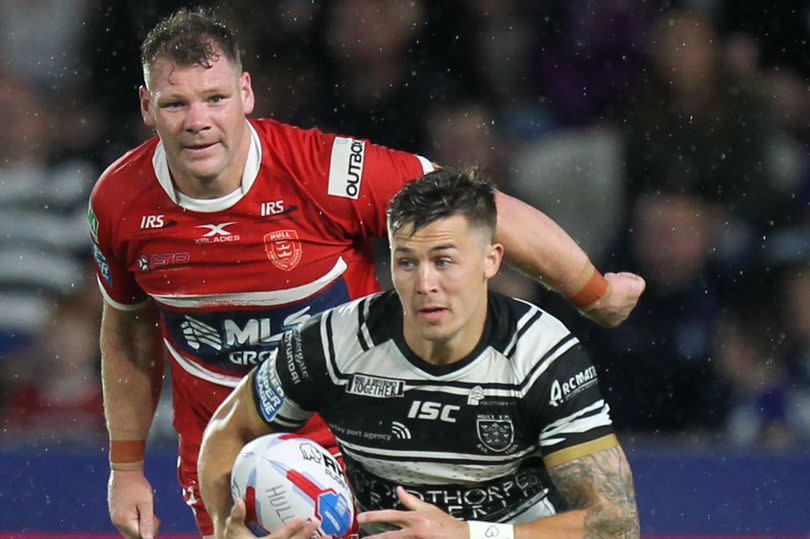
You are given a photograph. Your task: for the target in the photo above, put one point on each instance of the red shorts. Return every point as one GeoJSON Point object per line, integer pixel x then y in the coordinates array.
{"type": "Point", "coordinates": [195, 401]}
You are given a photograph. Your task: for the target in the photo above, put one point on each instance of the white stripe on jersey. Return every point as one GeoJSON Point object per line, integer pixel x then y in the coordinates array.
{"type": "Point", "coordinates": [470, 458]}
{"type": "Point", "coordinates": [422, 472]}
{"type": "Point", "coordinates": [576, 423]}
{"type": "Point", "coordinates": [199, 371]}
{"type": "Point", "coordinates": [254, 299]}
{"type": "Point", "coordinates": [427, 166]}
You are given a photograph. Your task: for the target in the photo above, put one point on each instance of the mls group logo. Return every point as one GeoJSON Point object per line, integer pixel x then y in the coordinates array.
{"type": "Point", "coordinates": [283, 248]}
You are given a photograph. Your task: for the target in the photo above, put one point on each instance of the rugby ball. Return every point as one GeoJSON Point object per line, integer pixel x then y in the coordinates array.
{"type": "Point", "coordinates": [282, 476]}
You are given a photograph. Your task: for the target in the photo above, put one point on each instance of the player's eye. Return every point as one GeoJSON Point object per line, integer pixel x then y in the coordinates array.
{"type": "Point", "coordinates": [443, 262]}
{"type": "Point", "coordinates": [172, 105]}
{"type": "Point", "coordinates": [216, 98]}
{"type": "Point", "coordinates": [405, 263]}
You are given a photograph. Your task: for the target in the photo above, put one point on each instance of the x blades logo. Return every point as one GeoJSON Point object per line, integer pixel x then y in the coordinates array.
{"type": "Point", "coordinates": [217, 233]}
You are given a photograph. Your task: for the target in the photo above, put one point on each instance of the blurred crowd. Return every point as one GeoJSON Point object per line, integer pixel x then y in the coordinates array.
{"type": "Point", "coordinates": [669, 138]}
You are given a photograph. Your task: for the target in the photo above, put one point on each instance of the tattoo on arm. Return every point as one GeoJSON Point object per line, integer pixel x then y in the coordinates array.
{"type": "Point", "coordinates": [601, 484]}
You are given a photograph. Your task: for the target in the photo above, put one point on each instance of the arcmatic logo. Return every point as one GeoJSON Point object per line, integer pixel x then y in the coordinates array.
{"type": "Point", "coordinates": [561, 392]}
{"type": "Point", "coordinates": [217, 233]}
{"type": "Point", "coordinates": [346, 167]}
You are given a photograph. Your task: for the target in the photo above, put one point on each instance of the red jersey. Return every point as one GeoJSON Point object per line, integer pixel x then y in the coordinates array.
{"type": "Point", "coordinates": [230, 274]}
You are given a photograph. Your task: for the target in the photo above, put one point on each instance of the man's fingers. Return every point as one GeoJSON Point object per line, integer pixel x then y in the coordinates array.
{"type": "Point", "coordinates": [148, 523]}
{"type": "Point", "coordinates": [238, 511]}
{"type": "Point", "coordinates": [391, 516]}
{"type": "Point", "coordinates": [410, 501]}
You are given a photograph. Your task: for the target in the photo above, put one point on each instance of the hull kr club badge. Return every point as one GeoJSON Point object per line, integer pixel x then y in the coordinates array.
{"type": "Point", "coordinates": [283, 248]}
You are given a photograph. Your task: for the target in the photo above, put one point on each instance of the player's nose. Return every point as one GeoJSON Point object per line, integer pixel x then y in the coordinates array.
{"type": "Point", "coordinates": [197, 117]}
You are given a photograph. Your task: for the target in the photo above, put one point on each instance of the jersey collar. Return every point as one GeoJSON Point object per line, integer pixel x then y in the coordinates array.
{"type": "Point", "coordinates": [252, 165]}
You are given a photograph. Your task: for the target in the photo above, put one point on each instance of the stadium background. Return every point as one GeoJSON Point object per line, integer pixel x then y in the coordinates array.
{"type": "Point", "coordinates": [669, 138]}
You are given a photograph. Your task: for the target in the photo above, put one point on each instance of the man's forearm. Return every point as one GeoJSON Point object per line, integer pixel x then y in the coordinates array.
{"type": "Point", "coordinates": [131, 372]}
{"type": "Point", "coordinates": [227, 432]}
{"type": "Point", "coordinates": [539, 247]}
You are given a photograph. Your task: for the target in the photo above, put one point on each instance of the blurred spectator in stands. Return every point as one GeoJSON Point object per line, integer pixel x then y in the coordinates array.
{"type": "Point", "coordinates": [576, 176]}
{"type": "Point", "coordinates": [692, 125]}
{"type": "Point", "coordinates": [588, 55]}
{"type": "Point", "coordinates": [43, 208]}
{"type": "Point", "coordinates": [375, 85]}
{"type": "Point", "coordinates": [748, 358]}
{"type": "Point", "coordinates": [655, 367]}
{"type": "Point", "coordinates": [40, 42]}
{"type": "Point", "coordinates": [285, 59]}
{"type": "Point", "coordinates": [54, 390]}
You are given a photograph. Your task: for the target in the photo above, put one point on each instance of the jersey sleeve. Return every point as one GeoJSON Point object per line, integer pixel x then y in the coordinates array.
{"type": "Point", "coordinates": [117, 283]}
{"type": "Point", "coordinates": [292, 384]}
{"type": "Point", "coordinates": [573, 416]}
{"type": "Point", "coordinates": [353, 180]}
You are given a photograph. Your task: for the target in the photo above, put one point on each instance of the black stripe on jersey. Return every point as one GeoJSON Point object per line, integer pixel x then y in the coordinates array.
{"type": "Point", "coordinates": [384, 318]}
{"type": "Point", "coordinates": [530, 375]}
{"type": "Point", "coordinates": [361, 307]}
{"type": "Point", "coordinates": [506, 313]}
{"type": "Point", "coordinates": [522, 331]}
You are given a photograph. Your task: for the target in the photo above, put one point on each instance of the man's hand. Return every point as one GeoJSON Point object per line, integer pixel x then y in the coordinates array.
{"type": "Point", "coordinates": [131, 504]}
{"type": "Point", "coordinates": [618, 301]}
{"type": "Point", "coordinates": [423, 521]}
{"type": "Point", "coordinates": [297, 528]}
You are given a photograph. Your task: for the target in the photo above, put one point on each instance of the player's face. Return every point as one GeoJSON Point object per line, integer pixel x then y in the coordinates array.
{"type": "Point", "coordinates": [441, 273]}
{"type": "Point", "coordinates": [199, 113]}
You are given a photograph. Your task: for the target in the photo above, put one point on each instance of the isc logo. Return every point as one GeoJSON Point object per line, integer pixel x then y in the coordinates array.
{"type": "Point", "coordinates": [433, 410]}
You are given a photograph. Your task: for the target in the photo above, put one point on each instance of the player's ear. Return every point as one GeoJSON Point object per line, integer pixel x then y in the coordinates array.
{"type": "Point", "coordinates": [246, 89]}
{"type": "Point", "coordinates": [146, 107]}
{"type": "Point", "coordinates": [492, 259]}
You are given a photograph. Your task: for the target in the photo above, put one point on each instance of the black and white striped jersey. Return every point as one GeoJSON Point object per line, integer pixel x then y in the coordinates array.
{"type": "Point", "coordinates": [474, 437]}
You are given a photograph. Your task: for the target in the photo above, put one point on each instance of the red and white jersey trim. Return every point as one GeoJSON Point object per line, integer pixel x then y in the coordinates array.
{"type": "Point", "coordinates": [252, 165]}
{"type": "Point", "coordinates": [199, 371]}
{"type": "Point", "coordinates": [117, 304]}
{"type": "Point", "coordinates": [253, 299]}
{"type": "Point", "coordinates": [427, 165]}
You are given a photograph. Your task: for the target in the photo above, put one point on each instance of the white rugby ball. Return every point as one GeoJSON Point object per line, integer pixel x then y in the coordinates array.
{"type": "Point", "coordinates": [282, 476]}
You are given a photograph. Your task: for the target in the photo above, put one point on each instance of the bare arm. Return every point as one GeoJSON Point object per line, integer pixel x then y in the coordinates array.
{"type": "Point", "coordinates": [131, 372]}
{"type": "Point", "coordinates": [599, 489]}
{"type": "Point", "coordinates": [232, 426]}
{"type": "Point", "coordinates": [540, 248]}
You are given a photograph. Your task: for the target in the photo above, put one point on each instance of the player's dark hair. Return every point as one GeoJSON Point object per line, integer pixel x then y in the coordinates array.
{"type": "Point", "coordinates": [190, 37]}
{"type": "Point", "coordinates": [445, 193]}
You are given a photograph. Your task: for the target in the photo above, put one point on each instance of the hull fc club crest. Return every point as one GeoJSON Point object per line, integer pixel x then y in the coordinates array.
{"type": "Point", "coordinates": [495, 433]}
{"type": "Point", "coordinates": [283, 248]}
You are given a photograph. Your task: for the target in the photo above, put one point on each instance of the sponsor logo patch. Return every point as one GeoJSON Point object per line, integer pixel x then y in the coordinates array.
{"type": "Point", "coordinates": [346, 167]}
{"type": "Point", "coordinates": [217, 233]}
{"type": "Point", "coordinates": [103, 266]}
{"type": "Point", "coordinates": [283, 248]}
{"type": "Point", "coordinates": [92, 220]}
{"type": "Point", "coordinates": [268, 390]}
{"type": "Point", "coordinates": [562, 391]}
{"type": "Point", "coordinates": [375, 387]}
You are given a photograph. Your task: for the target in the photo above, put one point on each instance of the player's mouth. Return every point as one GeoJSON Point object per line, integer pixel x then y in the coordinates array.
{"type": "Point", "coordinates": [432, 314]}
{"type": "Point", "coordinates": [199, 148]}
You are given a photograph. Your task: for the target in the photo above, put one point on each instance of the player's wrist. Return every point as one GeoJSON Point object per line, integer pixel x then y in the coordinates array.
{"type": "Point", "coordinates": [127, 455]}
{"type": "Point", "coordinates": [592, 285]}
{"type": "Point", "coordinates": [490, 530]}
